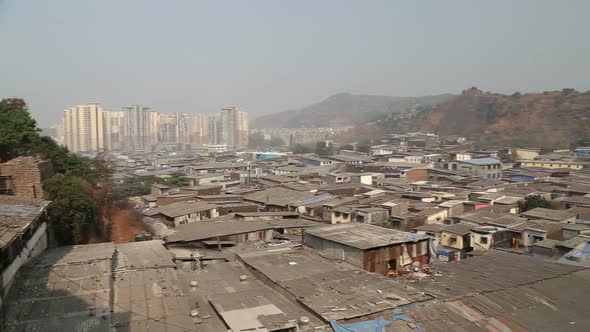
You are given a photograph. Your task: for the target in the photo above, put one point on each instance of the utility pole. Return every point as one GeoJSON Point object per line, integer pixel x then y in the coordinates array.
{"type": "Point", "coordinates": [249, 173]}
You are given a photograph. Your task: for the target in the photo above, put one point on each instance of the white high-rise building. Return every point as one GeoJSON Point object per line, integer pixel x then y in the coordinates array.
{"type": "Point", "coordinates": [183, 128]}
{"type": "Point", "coordinates": [154, 127]}
{"type": "Point", "coordinates": [199, 129]}
{"type": "Point", "coordinates": [167, 129]}
{"type": "Point", "coordinates": [114, 133]}
{"type": "Point", "coordinates": [137, 128]}
{"type": "Point", "coordinates": [83, 128]}
{"type": "Point", "coordinates": [228, 127]}
{"type": "Point", "coordinates": [234, 125]}
{"type": "Point", "coordinates": [214, 129]}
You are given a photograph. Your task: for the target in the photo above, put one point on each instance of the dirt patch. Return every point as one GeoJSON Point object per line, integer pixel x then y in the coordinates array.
{"type": "Point", "coordinates": [125, 225]}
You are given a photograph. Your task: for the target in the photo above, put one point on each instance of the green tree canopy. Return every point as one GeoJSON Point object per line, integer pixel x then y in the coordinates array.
{"type": "Point", "coordinates": [534, 201]}
{"type": "Point", "coordinates": [302, 148]}
{"type": "Point", "coordinates": [323, 150]}
{"type": "Point", "coordinates": [256, 140]}
{"type": "Point", "coordinates": [177, 179]}
{"type": "Point", "coordinates": [136, 186]}
{"type": "Point", "coordinates": [364, 146]}
{"type": "Point", "coordinates": [347, 147]}
{"type": "Point", "coordinates": [275, 141]}
{"type": "Point", "coordinates": [18, 130]}
{"type": "Point", "coordinates": [72, 212]}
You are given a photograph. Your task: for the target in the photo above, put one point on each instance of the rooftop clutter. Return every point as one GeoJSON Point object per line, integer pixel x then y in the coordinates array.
{"type": "Point", "coordinates": [416, 235]}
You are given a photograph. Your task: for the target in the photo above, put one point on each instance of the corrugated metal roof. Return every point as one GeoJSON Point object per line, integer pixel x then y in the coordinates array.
{"type": "Point", "coordinates": [16, 214]}
{"type": "Point", "coordinates": [181, 209]}
{"type": "Point", "coordinates": [203, 230]}
{"type": "Point", "coordinates": [548, 214]}
{"type": "Point", "coordinates": [482, 161]}
{"type": "Point", "coordinates": [503, 291]}
{"type": "Point", "coordinates": [363, 236]}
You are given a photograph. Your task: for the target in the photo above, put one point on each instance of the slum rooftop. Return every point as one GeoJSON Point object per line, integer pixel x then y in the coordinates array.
{"type": "Point", "coordinates": [503, 291]}
{"type": "Point", "coordinates": [180, 209]}
{"type": "Point", "coordinates": [103, 287]}
{"type": "Point", "coordinates": [16, 214]}
{"type": "Point", "coordinates": [363, 236]}
{"type": "Point", "coordinates": [203, 230]}
{"type": "Point", "coordinates": [331, 289]}
{"type": "Point", "coordinates": [548, 214]}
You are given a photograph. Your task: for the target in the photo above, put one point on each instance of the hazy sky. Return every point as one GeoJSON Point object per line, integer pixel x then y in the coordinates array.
{"type": "Point", "coordinates": [270, 56]}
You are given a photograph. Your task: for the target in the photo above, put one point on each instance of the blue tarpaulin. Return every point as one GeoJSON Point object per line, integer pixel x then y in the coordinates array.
{"type": "Point", "coordinates": [375, 325]}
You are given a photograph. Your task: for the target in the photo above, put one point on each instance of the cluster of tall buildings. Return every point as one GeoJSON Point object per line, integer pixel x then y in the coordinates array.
{"type": "Point", "coordinates": [136, 128]}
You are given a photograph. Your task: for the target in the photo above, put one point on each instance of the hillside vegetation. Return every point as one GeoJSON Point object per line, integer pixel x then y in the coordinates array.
{"type": "Point", "coordinates": [343, 110]}
{"type": "Point", "coordinates": [555, 119]}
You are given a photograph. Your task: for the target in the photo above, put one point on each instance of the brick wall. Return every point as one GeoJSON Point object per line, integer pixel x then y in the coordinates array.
{"type": "Point", "coordinates": [27, 175]}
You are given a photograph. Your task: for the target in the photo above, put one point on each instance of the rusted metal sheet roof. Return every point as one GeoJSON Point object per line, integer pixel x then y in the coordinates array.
{"type": "Point", "coordinates": [364, 236]}
{"type": "Point", "coordinates": [203, 230]}
{"type": "Point", "coordinates": [16, 214]}
{"type": "Point", "coordinates": [333, 290]}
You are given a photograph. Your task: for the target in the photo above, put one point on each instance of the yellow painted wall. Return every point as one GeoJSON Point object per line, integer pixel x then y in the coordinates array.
{"type": "Point", "coordinates": [550, 164]}
{"type": "Point", "coordinates": [446, 241]}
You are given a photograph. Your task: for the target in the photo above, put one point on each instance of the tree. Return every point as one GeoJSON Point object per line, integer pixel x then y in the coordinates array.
{"type": "Point", "coordinates": [256, 140]}
{"type": "Point", "coordinates": [65, 162]}
{"type": "Point", "coordinates": [275, 141]}
{"type": "Point", "coordinates": [18, 130]}
{"type": "Point", "coordinates": [533, 201]}
{"type": "Point", "coordinates": [347, 147]}
{"type": "Point", "coordinates": [136, 186]}
{"type": "Point", "coordinates": [19, 135]}
{"type": "Point", "coordinates": [545, 149]}
{"type": "Point", "coordinates": [322, 149]}
{"type": "Point", "coordinates": [72, 212]}
{"type": "Point", "coordinates": [364, 146]}
{"type": "Point", "coordinates": [177, 179]}
{"type": "Point", "coordinates": [568, 91]}
{"type": "Point", "coordinates": [79, 183]}
{"type": "Point", "coordinates": [301, 148]}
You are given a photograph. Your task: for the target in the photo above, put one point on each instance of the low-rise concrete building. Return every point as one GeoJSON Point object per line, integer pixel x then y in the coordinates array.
{"type": "Point", "coordinates": [453, 207]}
{"type": "Point", "coordinates": [372, 248]}
{"type": "Point", "coordinates": [552, 215]}
{"type": "Point", "coordinates": [24, 176]}
{"type": "Point", "coordinates": [159, 189]}
{"type": "Point", "coordinates": [229, 232]}
{"type": "Point", "coordinates": [23, 236]}
{"type": "Point", "coordinates": [533, 231]}
{"type": "Point", "coordinates": [184, 212]}
{"type": "Point", "coordinates": [457, 237]}
{"type": "Point", "coordinates": [483, 168]}
{"type": "Point", "coordinates": [372, 215]}
{"type": "Point", "coordinates": [552, 164]}
{"type": "Point", "coordinates": [434, 231]}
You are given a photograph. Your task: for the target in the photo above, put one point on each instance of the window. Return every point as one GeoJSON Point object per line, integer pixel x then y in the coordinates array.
{"type": "Point", "coordinates": [483, 240]}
